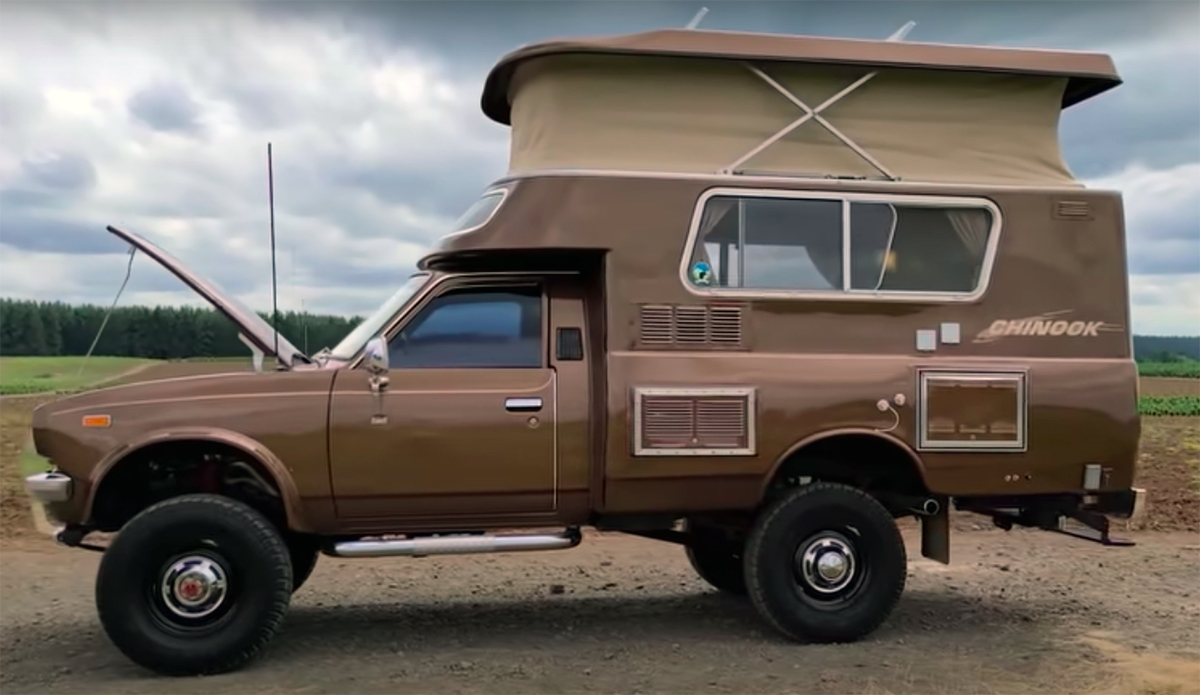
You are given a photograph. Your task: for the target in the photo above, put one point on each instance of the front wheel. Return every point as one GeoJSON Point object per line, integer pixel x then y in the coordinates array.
{"type": "Point", "coordinates": [825, 563]}
{"type": "Point", "coordinates": [196, 584]}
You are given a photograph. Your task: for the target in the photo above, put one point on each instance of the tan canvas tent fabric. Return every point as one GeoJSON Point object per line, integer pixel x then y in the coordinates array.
{"type": "Point", "coordinates": [596, 111]}
{"type": "Point", "coordinates": [684, 100]}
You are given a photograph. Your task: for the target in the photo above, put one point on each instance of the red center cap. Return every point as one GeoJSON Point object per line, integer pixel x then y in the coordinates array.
{"type": "Point", "coordinates": [190, 588]}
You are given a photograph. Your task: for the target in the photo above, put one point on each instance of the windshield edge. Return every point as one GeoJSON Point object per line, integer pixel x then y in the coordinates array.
{"type": "Point", "coordinates": [349, 346]}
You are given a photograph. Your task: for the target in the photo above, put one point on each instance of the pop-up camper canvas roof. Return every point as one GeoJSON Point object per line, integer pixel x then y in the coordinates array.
{"type": "Point", "coordinates": [683, 100]}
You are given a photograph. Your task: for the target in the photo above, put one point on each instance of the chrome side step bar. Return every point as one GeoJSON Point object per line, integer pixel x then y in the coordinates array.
{"type": "Point", "coordinates": [457, 544]}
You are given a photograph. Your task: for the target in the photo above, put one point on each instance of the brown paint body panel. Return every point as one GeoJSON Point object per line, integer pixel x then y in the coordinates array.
{"type": "Point", "coordinates": [277, 418]}
{"type": "Point", "coordinates": [443, 450]}
{"type": "Point", "coordinates": [450, 456]}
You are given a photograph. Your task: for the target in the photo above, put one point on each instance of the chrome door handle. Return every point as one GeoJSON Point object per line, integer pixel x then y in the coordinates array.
{"type": "Point", "coordinates": [518, 405]}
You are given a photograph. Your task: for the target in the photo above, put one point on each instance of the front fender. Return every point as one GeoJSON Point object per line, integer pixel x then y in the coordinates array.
{"type": "Point", "coordinates": [279, 472]}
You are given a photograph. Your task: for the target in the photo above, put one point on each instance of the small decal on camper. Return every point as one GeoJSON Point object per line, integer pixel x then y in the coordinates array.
{"type": "Point", "coordinates": [1049, 324]}
{"type": "Point", "coordinates": [701, 273]}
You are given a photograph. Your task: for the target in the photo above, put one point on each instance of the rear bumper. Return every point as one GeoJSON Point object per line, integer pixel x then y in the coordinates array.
{"type": "Point", "coordinates": [1122, 504]}
{"type": "Point", "coordinates": [1048, 511]}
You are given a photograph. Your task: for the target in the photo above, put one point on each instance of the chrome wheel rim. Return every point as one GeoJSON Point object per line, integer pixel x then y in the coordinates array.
{"type": "Point", "coordinates": [826, 564]}
{"type": "Point", "coordinates": [194, 586]}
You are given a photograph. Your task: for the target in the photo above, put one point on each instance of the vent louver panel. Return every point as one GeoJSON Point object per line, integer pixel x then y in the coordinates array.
{"type": "Point", "coordinates": [725, 325]}
{"type": "Point", "coordinates": [713, 326]}
{"type": "Point", "coordinates": [656, 325]}
{"type": "Point", "coordinates": [721, 422]}
{"type": "Point", "coordinates": [668, 422]}
{"type": "Point", "coordinates": [717, 421]}
{"type": "Point", "coordinates": [1072, 210]}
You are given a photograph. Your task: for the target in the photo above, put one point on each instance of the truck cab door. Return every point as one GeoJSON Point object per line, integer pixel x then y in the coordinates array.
{"type": "Point", "coordinates": [466, 423]}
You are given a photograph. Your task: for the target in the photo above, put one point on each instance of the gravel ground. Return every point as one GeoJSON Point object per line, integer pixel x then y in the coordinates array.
{"type": "Point", "coordinates": [1020, 612]}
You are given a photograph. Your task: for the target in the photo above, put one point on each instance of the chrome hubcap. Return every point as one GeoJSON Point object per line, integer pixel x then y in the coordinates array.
{"type": "Point", "coordinates": [194, 586]}
{"type": "Point", "coordinates": [826, 563]}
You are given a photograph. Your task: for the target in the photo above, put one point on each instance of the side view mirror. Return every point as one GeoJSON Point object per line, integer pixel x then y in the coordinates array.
{"type": "Point", "coordinates": [376, 356]}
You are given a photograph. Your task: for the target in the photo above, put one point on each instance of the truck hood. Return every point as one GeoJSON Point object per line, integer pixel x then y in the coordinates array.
{"type": "Point", "coordinates": [252, 327]}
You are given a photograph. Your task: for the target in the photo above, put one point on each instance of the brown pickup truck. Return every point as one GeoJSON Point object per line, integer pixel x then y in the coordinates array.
{"type": "Point", "coordinates": [757, 295]}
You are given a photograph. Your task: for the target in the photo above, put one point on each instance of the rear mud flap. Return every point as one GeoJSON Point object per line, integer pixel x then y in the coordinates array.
{"type": "Point", "coordinates": [935, 535]}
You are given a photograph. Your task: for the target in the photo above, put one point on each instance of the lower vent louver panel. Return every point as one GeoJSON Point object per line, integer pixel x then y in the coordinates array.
{"type": "Point", "coordinates": [694, 421]}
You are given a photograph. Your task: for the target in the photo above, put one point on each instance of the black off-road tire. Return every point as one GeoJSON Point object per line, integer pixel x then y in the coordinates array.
{"type": "Point", "coordinates": [304, 550]}
{"type": "Point", "coordinates": [717, 560]}
{"type": "Point", "coordinates": [211, 535]}
{"type": "Point", "coordinates": [824, 518]}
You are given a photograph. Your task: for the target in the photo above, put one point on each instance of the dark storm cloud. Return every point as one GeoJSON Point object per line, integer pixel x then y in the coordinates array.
{"type": "Point", "coordinates": [67, 172]}
{"type": "Point", "coordinates": [1173, 257]}
{"type": "Point", "coordinates": [165, 107]}
{"type": "Point", "coordinates": [337, 272]}
{"type": "Point", "coordinates": [375, 142]}
{"type": "Point", "coordinates": [37, 231]}
{"type": "Point", "coordinates": [30, 207]}
{"type": "Point", "coordinates": [1181, 224]}
{"type": "Point", "coordinates": [479, 31]}
{"type": "Point", "coordinates": [444, 186]}
{"type": "Point", "coordinates": [260, 106]}
{"type": "Point", "coordinates": [1153, 118]}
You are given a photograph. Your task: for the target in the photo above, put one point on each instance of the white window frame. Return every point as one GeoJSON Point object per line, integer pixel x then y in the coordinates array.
{"type": "Point", "coordinates": [502, 190]}
{"type": "Point", "coordinates": [846, 293]}
{"type": "Point", "coordinates": [928, 376]}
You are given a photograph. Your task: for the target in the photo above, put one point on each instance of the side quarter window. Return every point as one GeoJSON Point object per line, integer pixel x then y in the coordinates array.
{"type": "Point", "coordinates": [474, 328]}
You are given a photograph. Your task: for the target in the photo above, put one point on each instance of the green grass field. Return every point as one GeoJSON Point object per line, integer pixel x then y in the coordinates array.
{"type": "Point", "coordinates": [1186, 369]}
{"type": "Point", "coordinates": [60, 374]}
{"type": "Point", "coordinates": [1174, 406]}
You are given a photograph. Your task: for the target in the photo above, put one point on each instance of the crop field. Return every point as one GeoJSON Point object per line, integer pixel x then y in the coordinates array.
{"type": "Point", "coordinates": [33, 375]}
{"type": "Point", "coordinates": [20, 375]}
{"type": "Point", "coordinates": [1183, 369]}
{"type": "Point", "coordinates": [1015, 612]}
{"type": "Point", "coordinates": [1177, 396]}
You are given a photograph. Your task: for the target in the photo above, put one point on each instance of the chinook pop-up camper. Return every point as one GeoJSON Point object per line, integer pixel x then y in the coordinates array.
{"type": "Point", "coordinates": [757, 295]}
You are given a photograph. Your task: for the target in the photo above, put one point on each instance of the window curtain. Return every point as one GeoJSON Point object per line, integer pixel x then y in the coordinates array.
{"type": "Point", "coordinates": [715, 210]}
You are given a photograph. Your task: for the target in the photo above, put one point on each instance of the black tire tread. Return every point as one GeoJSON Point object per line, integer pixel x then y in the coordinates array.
{"type": "Point", "coordinates": [755, 548]}
{"type": "Point", "coordinates": [304, 553]}
{"type": "Point", "coordinates": [270, 542]}
{"type": "Point", "coordinates": [704, 555]}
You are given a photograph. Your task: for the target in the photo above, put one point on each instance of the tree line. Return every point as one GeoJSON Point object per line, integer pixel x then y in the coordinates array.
{"type": "Point", "coordinates": [1159, 348]}
{"type": "Point", "coordinates": [53, 328]}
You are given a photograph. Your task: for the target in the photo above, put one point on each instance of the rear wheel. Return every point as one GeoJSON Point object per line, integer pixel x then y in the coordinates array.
{"type": "Point", "coordinates": [825, 563]}
{"type": "Point", "coordinates": [194, 584]}
{"type": "Point", "coordinates": [717, 559]}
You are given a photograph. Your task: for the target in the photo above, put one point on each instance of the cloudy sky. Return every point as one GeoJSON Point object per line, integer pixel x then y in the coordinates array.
{"type": "Point", "coordinates": [154, 116]}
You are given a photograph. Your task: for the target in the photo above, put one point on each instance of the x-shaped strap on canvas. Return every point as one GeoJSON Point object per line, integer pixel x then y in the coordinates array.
{"type": "Point", "coordinates": [815, 114]}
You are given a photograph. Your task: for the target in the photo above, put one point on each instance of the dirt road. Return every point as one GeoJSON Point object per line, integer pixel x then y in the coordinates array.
{"type": "Point", "coordinates": [1017, 612]}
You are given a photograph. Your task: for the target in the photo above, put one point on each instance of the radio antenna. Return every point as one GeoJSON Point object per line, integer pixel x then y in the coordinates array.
{"type": "Point", "coordinates": [274, 288]}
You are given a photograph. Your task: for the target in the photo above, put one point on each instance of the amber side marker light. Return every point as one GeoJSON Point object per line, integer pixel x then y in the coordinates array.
{"type": "Point", "coordinates": [97, 420]}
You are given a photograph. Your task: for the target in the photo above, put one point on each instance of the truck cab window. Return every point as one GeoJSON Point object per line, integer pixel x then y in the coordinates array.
{"type": "Point", "coordinates": [489, 328]}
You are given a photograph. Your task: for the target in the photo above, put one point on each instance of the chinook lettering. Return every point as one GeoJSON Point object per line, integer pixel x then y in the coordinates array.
{"type": "Point", "coordinates": [1045, 324]}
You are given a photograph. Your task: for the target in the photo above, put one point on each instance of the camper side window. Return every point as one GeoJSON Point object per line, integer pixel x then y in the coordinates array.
{"type": "Point", "coordinates": [840, 245]}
